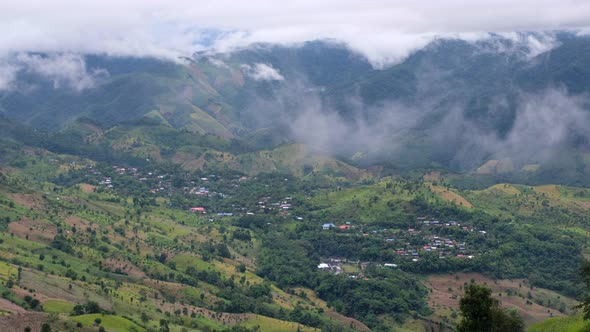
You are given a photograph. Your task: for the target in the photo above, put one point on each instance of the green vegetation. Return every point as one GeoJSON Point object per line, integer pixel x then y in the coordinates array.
{"type": "Point", "coordinates": [57, 306]}
{"type": "Point", "coordinates": [113, 323]}
{"type": "Point", "coordinates": [568, 324]}
{"type": "Point", "coordinates": [158, 202]}
{"type": "Point", "coordinates": [481, 313]}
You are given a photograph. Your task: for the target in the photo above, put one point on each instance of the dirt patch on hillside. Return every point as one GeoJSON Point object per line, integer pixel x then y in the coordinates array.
{"type": "Point", "coordinates": [448, 289]}
{"type": "Point", "coordinates": [18, 321]}
{"type": "Point", "coordinates": [585, 205]}
{"type": "Point", "coordinates": [8, 306]}
{"type": "Point", "coordinates": [550, 190]}
{"type": "Point", "coordinates": [432, 176]}
{"type": "Point", "coordinates": [28, 200]}
{"type": "Point", "coordinates": [450, 196]}
{"type": "Point", "coordinates": [79, 223]}
{"type": "Point", "coordinates": [21, 292]}
{"type": "Point", "coordinates": [87, 188]}
{"type": "Point", "coordinates": [116, 264]}
{"type": "Point", "coordinates": [496, 167]}
{"type": "Point", "coordinates": [35, 230]}
{"type": "Point", "coordinates": [504, 188]}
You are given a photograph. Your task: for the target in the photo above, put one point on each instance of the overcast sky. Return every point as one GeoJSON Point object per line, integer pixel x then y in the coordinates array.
{"type": "Point", "coordinates": [384, 31]}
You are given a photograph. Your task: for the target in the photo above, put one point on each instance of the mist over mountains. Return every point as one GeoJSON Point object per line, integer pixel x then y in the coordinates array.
{"type": "Point", "coordinates": [453, 104]}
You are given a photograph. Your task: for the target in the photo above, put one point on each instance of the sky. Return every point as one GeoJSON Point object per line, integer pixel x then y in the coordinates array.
{"type": "Point", "coordinates": [384, 31]}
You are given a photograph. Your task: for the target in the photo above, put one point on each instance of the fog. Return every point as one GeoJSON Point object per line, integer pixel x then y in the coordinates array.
{"type": "Point", "coordinates": [431, 131]}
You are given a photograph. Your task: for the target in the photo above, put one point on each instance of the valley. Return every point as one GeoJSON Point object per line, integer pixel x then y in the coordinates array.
{"type": "Point", "coordinates": [279, 187]}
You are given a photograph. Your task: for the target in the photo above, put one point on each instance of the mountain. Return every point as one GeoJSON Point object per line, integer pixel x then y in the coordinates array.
{"type": "Point", "coordinates": [295, 188]}
{"type": "Point", "coordinates": [453, 104]}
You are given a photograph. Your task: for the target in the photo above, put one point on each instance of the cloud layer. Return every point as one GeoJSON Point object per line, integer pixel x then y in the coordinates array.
{"type": "Point", "coordinates": [384, 31]}
{"type": "Point", "coordinates": [63, 70]}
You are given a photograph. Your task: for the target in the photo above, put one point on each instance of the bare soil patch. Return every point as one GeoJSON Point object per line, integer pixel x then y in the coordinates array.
{"type": "Point", "coordinates": [432, 176]}
{"type": "Point", "coordinates": [448, 289]}
{"type": "Point", "coordinates": [8, 306]}
{"type": "Point", "coordinates": [87, 188]}
{"type": "Point", "coordinates": [124, 266]}
{"type": "Point", "coordinates": [18, 321]}
{"type": "Point", "coordinates": [28, 200]}
{"type": "Point", "coordinates": [450, 196]}
{"type": "Point", "coordinates": [35, 230]}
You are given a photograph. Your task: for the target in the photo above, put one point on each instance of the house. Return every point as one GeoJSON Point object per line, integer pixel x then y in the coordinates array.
{"type": "Point", "coordinates": [198, 209]}
{"type": "Point", "coordinates": [343, 227]}
{"type": "Point", "coordinates": [324, 266]}
{"type": "Point", "coordinates": [328, 226]}
{"type": "Point", "coordinates": [390, 265]}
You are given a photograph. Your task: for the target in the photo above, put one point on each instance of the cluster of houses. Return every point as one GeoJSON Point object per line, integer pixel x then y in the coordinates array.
{"type": "Point", "coordinates": [282, 207]}
{"type": "Point", "coordinates": [410, 244]}
{"type": "Point", "coordinates": [338, 266]}
{"type": "Point", "coordinates": [444, 246]}
{"type": "Point", "coordinates": [343, 227]}
{"type": "Point", "coordinates": [158, 183]}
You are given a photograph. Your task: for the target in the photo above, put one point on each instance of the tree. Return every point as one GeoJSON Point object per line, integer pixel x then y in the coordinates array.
{"type": "Point", "coordinates": [45, 327]}
{"type": "Point", "coordinates": [585, 305]}
{"type": "Point", "coordinates": [482, 313]}
{"type": "Point", "coordinates": [164, 326]}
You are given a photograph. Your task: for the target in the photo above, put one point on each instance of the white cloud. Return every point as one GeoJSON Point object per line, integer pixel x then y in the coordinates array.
{"type": "Point", "coordinates": [262, 72]}
{"type": "Point", "coordinates": [7, 75]}
{"type": "Point", "coordinates": [384, 31]}
{"type": "Point", "coordinates": [64, 70]}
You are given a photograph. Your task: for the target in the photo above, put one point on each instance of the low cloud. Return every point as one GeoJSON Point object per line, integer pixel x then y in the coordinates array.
{"type": "Point", "coordinates": [422, 132]}
{"type": "Point", "coordinates": [8, 74]}
{"type": "Point", "coordinates": [62, 70]}
{"type": "Point", "coordinates": [262, 72]}
{"type": "Point", "coordinates": [384, 31]}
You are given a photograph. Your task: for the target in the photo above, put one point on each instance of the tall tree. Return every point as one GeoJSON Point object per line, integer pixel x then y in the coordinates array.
{"type": "Point", "coordinates": [482, 313]}
{"type": "Point", "coordinates": [476, 309]}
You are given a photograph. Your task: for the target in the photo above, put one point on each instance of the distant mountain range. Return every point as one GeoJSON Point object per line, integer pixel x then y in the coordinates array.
{"type": "Point", "coordinates": [455, 105]}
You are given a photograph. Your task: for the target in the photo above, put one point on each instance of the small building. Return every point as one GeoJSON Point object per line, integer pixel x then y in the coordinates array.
{"type": "Point", "coordinates": [328, 226]}
{"type": "Point", "coordinates": [198, 209]}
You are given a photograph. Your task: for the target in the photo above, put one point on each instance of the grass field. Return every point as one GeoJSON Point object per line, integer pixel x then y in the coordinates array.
{"type": "Point", "coordinates": [110, 323]}
{"type": "Point", "coordinates": [57, 306]}
{"type": "Point", "coordinates": [267, 324]}
{"type": "Point", "coordinates": [565, 324]}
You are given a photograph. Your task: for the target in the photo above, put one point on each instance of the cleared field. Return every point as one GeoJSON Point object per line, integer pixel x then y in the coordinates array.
{"type": "Point", "coordinates": [504, 188]}
{"type": "Point", "coordinates": [448, 289]}
{"type": "Point", "coordinates": [450, 196]}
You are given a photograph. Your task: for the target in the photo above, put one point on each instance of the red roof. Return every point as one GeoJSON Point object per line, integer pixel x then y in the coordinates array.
{"type": "Point", "coordinates": [198, 209]}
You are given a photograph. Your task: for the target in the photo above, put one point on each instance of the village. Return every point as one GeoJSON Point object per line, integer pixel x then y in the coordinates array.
{"type": "Point", "coordinates": [197, 192]}
{"type": "Point", "coordinates": [427, 236]}
{"type": "Point", "coordinates": [404, 246]}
